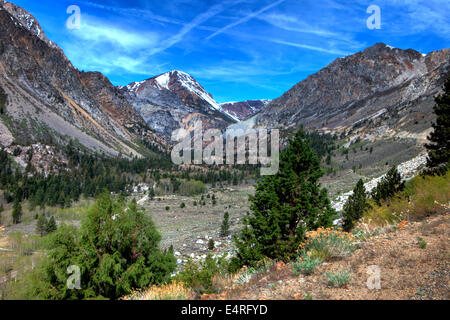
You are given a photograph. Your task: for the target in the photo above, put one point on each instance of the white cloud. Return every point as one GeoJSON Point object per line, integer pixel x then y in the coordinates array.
{"type": "Point", "coordinates": [326, 49]}
{"type": "Point", "coordinates": [197, 21]}
{"type": "Point", "coordinates": [245, 19]}
{"type": "Point", "coordinates": [134, 12]}
{"type": "Point", "coordinates": [96, 31]}
{"type": "Point", "coordinates": [291, 23]}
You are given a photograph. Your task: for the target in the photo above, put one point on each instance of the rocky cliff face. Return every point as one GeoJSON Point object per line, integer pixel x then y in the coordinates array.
{"type": "Point", "coordinates": [175, 100]}
{"type": "Point", "coordinates": [244, 109]}
{"type": "Point", "coordinates": [45, 92]}
{"type": "Point", "coordinates": [361, 88]}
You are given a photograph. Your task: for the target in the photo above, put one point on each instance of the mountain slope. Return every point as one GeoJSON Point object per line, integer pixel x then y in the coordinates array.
{"type": "Point", "coordinates": [175, 100]}
{"type": "Point", "coordinates": [360, 87]}
{"type": "Point", "coordinates": [244, 109]}
{"type": "Point", "coordinates": [46, 95]}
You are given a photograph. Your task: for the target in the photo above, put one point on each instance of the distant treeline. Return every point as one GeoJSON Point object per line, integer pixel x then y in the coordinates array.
{"type": "Point", "coordinates": [88, 174]}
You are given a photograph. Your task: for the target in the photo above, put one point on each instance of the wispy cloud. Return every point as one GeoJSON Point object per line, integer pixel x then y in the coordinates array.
{"type": "Point", "coordinates": [244, 19]}
{"type": "Point", "coordinates": [292, 23]}
{"type": "Point", "coordinates": [135, 12]}
{"type": "Point", "coordinates": [95, 31]}
{"type": "Point", "coordinates": [198, 20]}
{"type": "Point", "coordinates": [417, 16]}
{"type": "Point", "coordinates": [112, 49]}
{"type": "Point", "coordinates": [309, 47]}
{"type": "Point", "coordinates": [270, 44]}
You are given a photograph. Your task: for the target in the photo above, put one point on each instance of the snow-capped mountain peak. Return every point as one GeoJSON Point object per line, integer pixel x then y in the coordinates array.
{"type": "Point", "coordinates": [187, 88]}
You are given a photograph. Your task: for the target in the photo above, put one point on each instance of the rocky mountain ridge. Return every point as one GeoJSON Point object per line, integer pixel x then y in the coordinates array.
{"type": "Point", "coordinates": [244, 109]}
{"type": "Point", "coordinates": [175, 100]}
{"type": "Point", "coordinates": [359, 89]}
{"type": "Point", "coordinates": [47, 96]}
{"type": "Point", "coordinates": [379, 92]}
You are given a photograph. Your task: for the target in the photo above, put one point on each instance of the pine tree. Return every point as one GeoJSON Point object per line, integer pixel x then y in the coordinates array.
{"type": "Point", "coordinates": [17, 212]}
{"type": "Point", "coordinates": [225, 227]}
{"type": "Point", "coordinates": [438, 148]}
{"type": "Point", "coordinates": [51, 225]}
{"type": "Point", "coordinates": [355, 206]}
{"type": "Point", "coordinates": [151, 193]}
{"type": "Point", "coordinates": [388, 186]}
{"type": "Point", "coordinates": [211, 245]}
{"type": "Point", "coordinates": [285, 206]}
{"type": "Point", "coordinates": [41, 225]}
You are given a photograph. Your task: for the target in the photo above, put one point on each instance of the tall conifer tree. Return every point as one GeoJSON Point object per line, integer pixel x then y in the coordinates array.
{"type": "Point", "coordinates": [438, 148]}
{"type": "Point", "coordinates": [355, 206]}
{"type": "Point", "coordinates": [285, 206]}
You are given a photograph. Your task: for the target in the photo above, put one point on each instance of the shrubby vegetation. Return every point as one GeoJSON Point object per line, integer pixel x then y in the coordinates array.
{"type": "Point", "coordinates": [423, 196]}
{"type": "Point", "coordinates": [328, 243]}
{"type": "Point", "coordinates": [338, 279]}
{"type": "Point", "coordinates": [323, 144]}
{"type": "Point", "coordinates": [192, 187]}
{"type": "Point", "coordinates": [201, 277]}
{"type": "Point", "coordinates": [305, 265]}
{"type": "Point", "coordinates": [45, 226]}
{"type": "Point", "coordinates": [116, 250]}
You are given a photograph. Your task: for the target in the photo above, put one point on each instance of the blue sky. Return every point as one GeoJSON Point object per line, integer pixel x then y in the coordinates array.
{"type": "Point", "coordinates": [237, 49]}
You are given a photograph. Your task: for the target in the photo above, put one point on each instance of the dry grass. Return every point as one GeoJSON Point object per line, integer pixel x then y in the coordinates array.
{"type": "Point", "coordinates": [424, 196]}
{"type": "Point", "coordinates": [170, 291]}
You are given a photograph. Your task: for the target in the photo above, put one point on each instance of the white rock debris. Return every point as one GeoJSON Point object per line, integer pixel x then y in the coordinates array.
{"type": "Point", "coordinates": [407, 170]}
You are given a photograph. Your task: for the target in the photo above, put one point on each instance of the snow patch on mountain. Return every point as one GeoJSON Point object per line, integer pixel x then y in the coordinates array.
{"type": "Point", "coordinates": [163, 81]}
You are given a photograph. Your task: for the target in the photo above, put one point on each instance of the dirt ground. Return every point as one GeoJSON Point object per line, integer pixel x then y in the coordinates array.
{"type": "Point", "coordinates": [407, 271]}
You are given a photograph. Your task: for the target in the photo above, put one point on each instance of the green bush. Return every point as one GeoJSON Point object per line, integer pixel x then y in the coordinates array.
{"type": "Point", "coordinates": [331, 244]}
{"type": "Point", "coordinates": [339, 279]}
{"type": "Point", "coordinates": [116, 250]}
{"type": "Point", "coordinates": [305, 265]}
{"type": "Point", "coordinates": [200, 276]}
{"type": "Point", "coordinates": [422, 243]}
{"type": "Point", "coordinates": [191, 187]}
